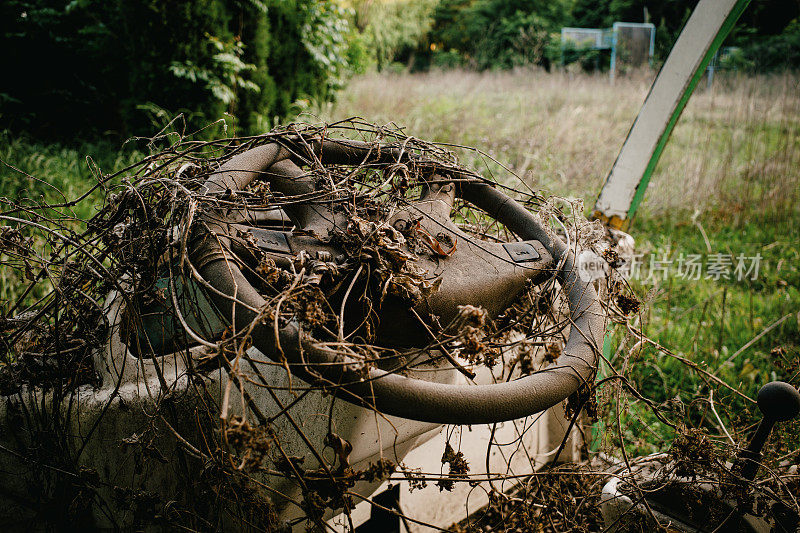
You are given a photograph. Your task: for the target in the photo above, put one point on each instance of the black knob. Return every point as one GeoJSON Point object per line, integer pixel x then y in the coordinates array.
{"type": "Point", "coordinates": [779, 401]}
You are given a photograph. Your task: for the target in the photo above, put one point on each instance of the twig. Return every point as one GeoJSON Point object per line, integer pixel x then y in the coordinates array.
{"type": "Point", "coordinates": [716, 415]}
{"type": "Point", "coordinates": [756, 338]}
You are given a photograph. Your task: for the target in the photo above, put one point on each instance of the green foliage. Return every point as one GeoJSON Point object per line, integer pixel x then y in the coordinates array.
{"type": "Point", "coordinates": [225, 76]}
{"type": "Point", "coordinates": [323, 38]}
{"type": "Point", "coordinates": [497, 33]}
{"type": "Point", "coordinates": [590, 14]}
{"type": "Point", "coordinates": [359, 57]}
{"type": "Point", "coordinates": [668, 17]}
{"type": "Point", "coordinates": [770, 52]}
{"type": "Point", "coordinates": [503, 34]}
{"type": "Point", "coordinates": [95, 66]}
{"type": "Point", "coordinates": [735, 59]}
{"type": "Point", "coordinates": [55, 174]}
{"type": "Point", "coordinates": [587, 57]}
{"type": "Point", "coordinates": [392, 31]}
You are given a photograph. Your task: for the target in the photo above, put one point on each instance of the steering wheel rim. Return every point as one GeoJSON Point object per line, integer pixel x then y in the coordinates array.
{"type": "Point", "coordinates": [388, 392]}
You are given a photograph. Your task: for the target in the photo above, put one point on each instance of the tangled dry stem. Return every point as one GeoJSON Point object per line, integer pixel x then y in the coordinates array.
{"type": "Point", "coordinates": [150, 215]}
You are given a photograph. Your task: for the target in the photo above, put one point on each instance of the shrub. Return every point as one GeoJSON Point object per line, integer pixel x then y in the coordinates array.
{"type": "Point", "coordinates": [497, 33]}
{"type": "Point", "coordinates": [94, 66]}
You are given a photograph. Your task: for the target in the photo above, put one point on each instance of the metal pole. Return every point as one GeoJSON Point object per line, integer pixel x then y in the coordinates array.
{"type": "Point", "coordinates": [613, 68]}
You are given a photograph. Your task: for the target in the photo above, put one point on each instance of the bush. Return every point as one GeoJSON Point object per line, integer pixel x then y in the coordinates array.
{"type": "Point", "coordinates": [446, 59]}
{"type": "Point", "coordinates": [773, 52]}
{"type": "Point", "coordinates": [392, 31]}
{"type": "Point", "coordinates": [497, 33]}
{"type": "Point", "coordinates": [95, 66]}
{"type": "Point", "coordinates": [590, 59]}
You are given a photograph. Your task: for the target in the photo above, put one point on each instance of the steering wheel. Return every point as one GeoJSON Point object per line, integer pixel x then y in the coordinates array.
{"type": "Point", "coordinates": [488, 275]}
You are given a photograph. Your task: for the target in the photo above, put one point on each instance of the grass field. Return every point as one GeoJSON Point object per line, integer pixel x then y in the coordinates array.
{"type": "Point", "coordinates": [728, 183]}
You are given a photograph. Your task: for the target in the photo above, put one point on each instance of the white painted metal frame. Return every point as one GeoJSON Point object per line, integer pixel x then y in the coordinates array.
{"type": "Point", "coordinates": [624, 187]}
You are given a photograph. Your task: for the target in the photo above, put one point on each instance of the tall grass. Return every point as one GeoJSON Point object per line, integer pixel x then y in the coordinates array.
{"type": "Point", "coordinates": [736, 144]}
{"type": "Point", "coordinates": [34, 173]}
{"type": "Point", "coordinates": [53, 173]}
